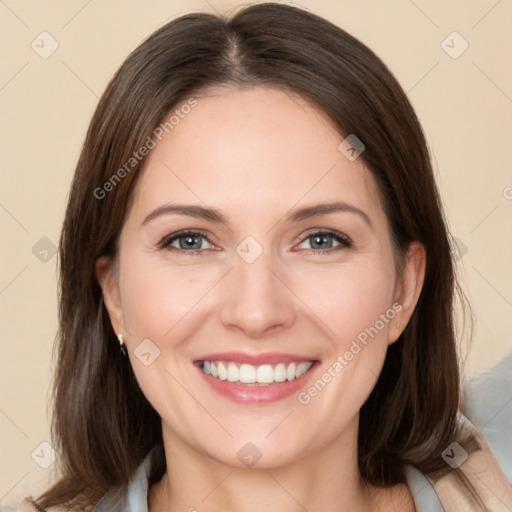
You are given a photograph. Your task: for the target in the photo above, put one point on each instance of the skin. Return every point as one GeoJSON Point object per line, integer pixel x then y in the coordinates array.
{"type": "Point", "coordinates": [256, 154]}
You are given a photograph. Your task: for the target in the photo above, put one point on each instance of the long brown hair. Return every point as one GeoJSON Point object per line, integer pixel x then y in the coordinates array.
{"type": "Point", "coordinates": [102, 424]}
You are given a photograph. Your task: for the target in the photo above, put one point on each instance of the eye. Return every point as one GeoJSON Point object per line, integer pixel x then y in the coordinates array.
{"type": "Point", "coordinates": [192, 242]}
{"type": "Point", "coordinates": [324, 241]}
{"type": "Point", "coordinates": [185, 241]}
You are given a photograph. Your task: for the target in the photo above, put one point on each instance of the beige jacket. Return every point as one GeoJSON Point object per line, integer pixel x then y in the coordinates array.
{"type": "Point", "coordinates": [483, 472]}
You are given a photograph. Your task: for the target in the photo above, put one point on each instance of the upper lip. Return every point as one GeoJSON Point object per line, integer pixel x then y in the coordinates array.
{"type": "Point", "coordinates": [255, 359]}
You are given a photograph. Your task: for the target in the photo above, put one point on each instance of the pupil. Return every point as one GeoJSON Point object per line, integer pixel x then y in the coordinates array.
{"type": "Point", "coordinates": [191, 241]}
{"type": "Point", "coordinates": [320, 239]}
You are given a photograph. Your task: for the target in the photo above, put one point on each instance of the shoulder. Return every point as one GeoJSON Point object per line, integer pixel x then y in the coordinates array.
{"type": "Point", "coordinates": [28, 505]}
{"type": "Point", "coordinates": [481, 470]}
{"type": "Point", "coordinates": [130, 499]}
{"type": "Point", "coordinates": [487, 403]}
{"type": "Point", "coordinates": [485, 469]}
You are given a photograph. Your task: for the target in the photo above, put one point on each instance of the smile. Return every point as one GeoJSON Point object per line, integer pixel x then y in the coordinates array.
{"type": "Point", "coordinates": [264, 374]}
{"type": "Point", "coordinates": [256, 378]}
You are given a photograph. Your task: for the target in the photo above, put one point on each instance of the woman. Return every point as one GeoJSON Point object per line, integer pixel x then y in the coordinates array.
{"type": "Point", "coordinates": [257, 287]}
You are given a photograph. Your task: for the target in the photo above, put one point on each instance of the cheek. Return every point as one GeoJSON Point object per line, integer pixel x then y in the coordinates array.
{"type": "Point", "coordinates": [349, 299]}
{"type": "Point", "coordinates": [161, 303]}
{"type": "Point", "coordinates": [157, 298]}
{"type": "Point", "coordinates": [355, 306]}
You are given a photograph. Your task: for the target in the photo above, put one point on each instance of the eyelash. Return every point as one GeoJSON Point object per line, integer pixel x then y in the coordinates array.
{"type": "Point", "coordinates": [344, 241]}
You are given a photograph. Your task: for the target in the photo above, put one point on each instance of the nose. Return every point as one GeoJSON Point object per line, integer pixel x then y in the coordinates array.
{"type": "Point", "coordinates": [257, 299]}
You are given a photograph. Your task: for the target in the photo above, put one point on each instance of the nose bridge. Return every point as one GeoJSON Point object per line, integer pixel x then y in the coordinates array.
{"type": "Point", "coordinates": [255, 299]}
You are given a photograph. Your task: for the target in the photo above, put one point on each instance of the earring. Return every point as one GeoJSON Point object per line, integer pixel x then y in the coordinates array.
{"type": "Point", "coordinates": [398, 327]}
{"type": "Point", "coordinates": [122, 343]}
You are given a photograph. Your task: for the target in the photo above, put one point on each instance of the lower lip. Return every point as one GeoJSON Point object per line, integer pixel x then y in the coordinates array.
{"type": "Point", "coordinates": [258, 394]}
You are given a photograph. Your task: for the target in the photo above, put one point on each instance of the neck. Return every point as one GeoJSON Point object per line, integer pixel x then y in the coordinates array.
{"type": "Point", "coordinates": [326, 480]}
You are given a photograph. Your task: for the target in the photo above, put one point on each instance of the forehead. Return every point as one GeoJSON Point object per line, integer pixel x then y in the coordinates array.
{"type": "Point", "coordinates": [251, 149]}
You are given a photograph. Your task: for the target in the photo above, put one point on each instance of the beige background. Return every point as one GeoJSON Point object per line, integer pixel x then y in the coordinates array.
{"type": "Point", "coordinates": [464, 103]}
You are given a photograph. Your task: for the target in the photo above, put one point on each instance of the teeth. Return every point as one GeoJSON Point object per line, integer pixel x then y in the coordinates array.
{"type": "Point", "coordinates": [280, 372]}
{"type": "Point", "coordinates": [223, 373]}
{"type": "Point", "coordinates": [265, 374]}
{"type": "Point", "coordinates": [290, 371]}
{"type": "Point", "coordinates": [233, 373]}
{"type": "Point", "coordinates": [249, 374]}
{"type": "Point", "coordinates": [302, 368]}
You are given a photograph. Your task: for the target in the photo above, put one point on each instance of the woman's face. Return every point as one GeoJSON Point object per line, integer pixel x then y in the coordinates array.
{"type": "Point", "coordinates": [232, 268]}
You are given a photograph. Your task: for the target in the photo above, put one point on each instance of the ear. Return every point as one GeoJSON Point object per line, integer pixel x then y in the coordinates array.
{"type": "Point", "coordinates": [106, 275]}
{"type": "Point", "coordinates": [408, 288]}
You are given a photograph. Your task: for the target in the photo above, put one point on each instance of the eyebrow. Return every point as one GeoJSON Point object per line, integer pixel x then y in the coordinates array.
{"type": "Point", "coordinates": [324, 209]}
{"type": "Point", "coordinates": [190, 210]}
{"type": "Point", "coordinates": [297, 215]}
